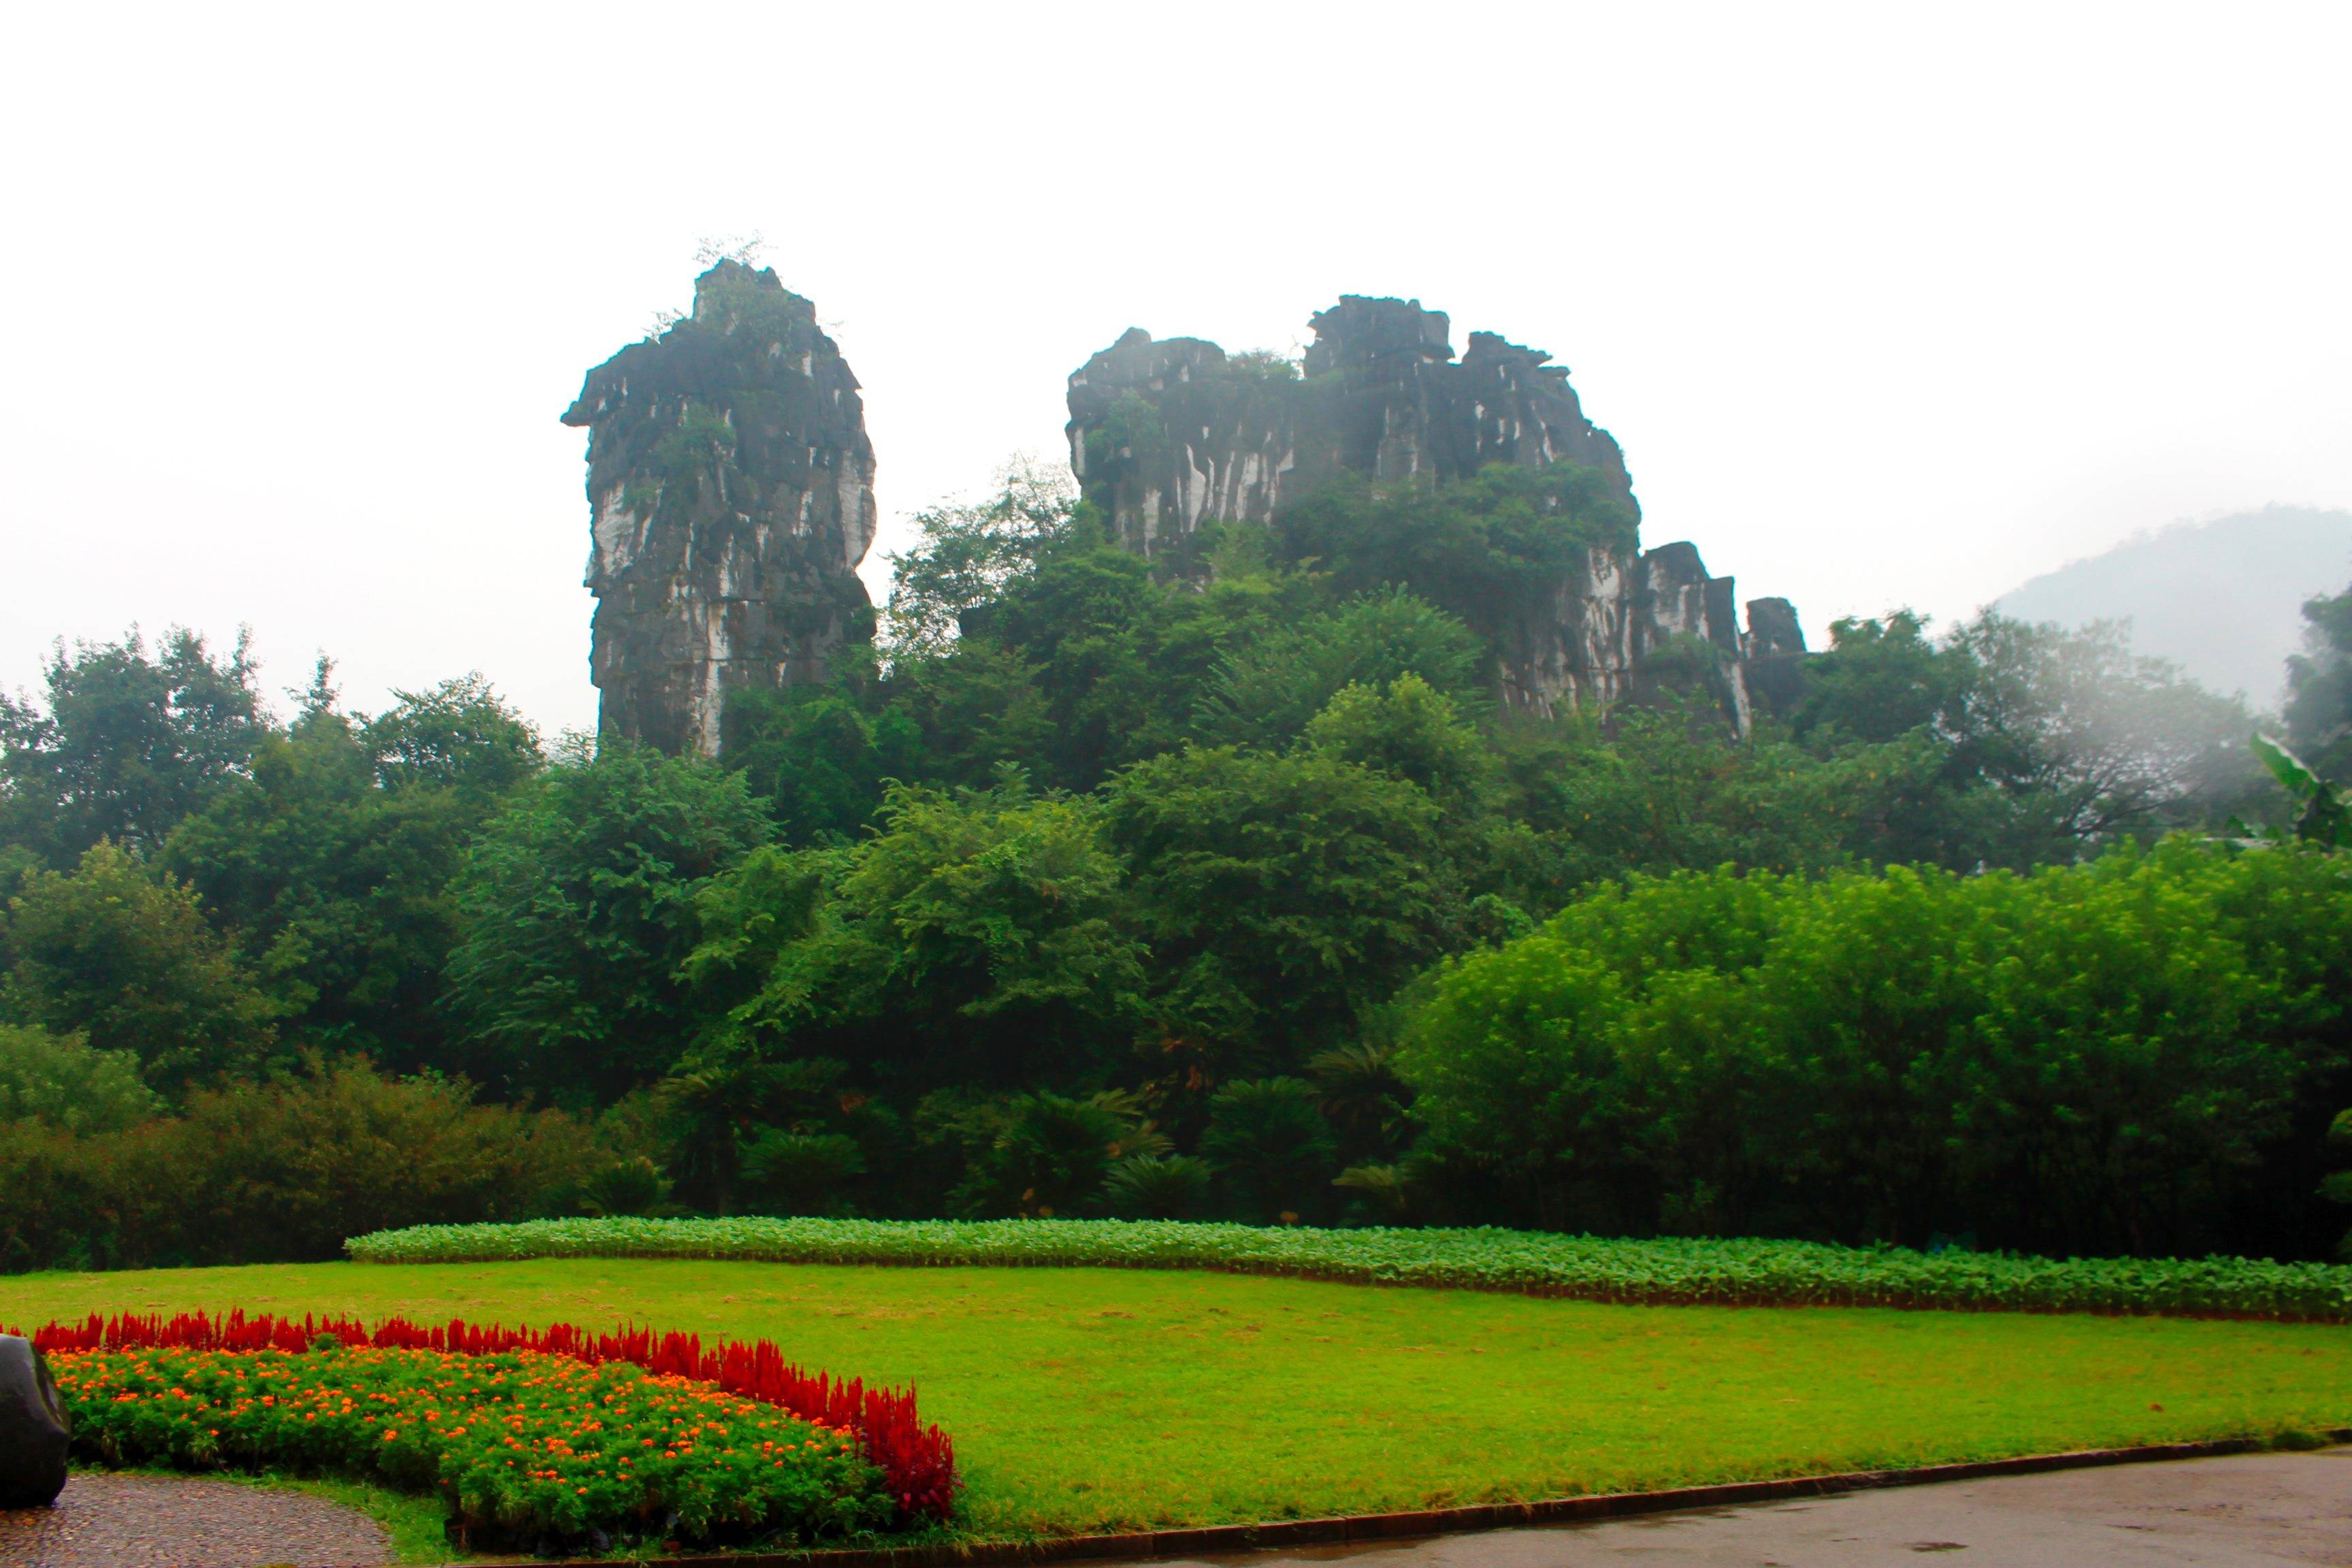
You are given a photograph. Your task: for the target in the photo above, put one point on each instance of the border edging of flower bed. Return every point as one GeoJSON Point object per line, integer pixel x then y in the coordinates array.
{"type": "Point", "coordinates": [1221, 1538]}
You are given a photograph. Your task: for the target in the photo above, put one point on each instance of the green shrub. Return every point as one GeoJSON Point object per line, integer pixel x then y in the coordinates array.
{"type": "Point", "coordinates": [124, 958]}
{"type": "Point", "coordinates": [634, 1185]}
{"type": "Point", "coordinates": [282, 1171]}
{"type": "Point", "coordinates": [1158, 1186]}
{"type": "Point", "coordinates": [1271, 1145]}
{"type": "Point", "coordinates": [1051, 1158]}
{"type": "Point", "coordinates": [577, 908]}
{"type": "Point", "coordinates": [289, 1170]}
{"type": "Point", "coordinates": [1751, 1273]}
{"type": "Point", "coordinates": [801, 1173]}
{"type": "Point", "coordinates": [2135, 1055]}
{"type": "Point", "coordinates": [62, 1080]}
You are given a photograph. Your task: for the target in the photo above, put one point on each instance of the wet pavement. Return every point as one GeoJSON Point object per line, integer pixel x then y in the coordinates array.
{"type": "Point", "coordinates": [103, 1520]}
{"type": "Point", "coordinates": [2245, 1510]}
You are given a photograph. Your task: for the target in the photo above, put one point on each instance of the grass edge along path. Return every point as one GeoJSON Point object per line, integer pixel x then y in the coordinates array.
{"type": "Point", "coordinates": [413, 1524]}
{"type": "Point", "coordinates": [1673, 1271]}
{"type": "Point", "coordinates": [1422, 1524]}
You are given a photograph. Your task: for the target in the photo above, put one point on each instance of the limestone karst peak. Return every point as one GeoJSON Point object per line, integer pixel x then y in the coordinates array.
{"type": "Point", "coordinates": [730, 488]}
{"type": "Point", "coordinates": [1166, 435]}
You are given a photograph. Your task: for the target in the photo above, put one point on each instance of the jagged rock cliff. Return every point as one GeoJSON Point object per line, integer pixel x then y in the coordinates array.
{"type": "Point", "coordinates": [730, 486]}
{"type": "Point", "coordinates": [1164, 433]}
{"type": "Point", "coordinates": [1167, 434]}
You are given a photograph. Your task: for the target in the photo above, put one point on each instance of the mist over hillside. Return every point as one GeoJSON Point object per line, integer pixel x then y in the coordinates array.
{"type": "Point", "coordinates": [2222, 599]}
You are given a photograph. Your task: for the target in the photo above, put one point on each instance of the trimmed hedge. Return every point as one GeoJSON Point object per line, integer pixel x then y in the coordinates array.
{"type": "Point", "coordinates": [1670, 1270]}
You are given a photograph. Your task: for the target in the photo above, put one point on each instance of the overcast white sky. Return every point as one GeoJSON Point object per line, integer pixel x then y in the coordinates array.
{"type": "Point", "coordinates": [1888, 304]}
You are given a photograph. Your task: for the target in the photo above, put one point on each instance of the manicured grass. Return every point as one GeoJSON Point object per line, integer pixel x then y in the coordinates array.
{"type": "Point", "coordinates": [1091, 1399]}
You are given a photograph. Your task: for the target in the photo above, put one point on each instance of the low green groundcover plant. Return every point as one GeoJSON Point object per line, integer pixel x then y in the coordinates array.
{"type": "Point", "coordinates": [1664, 1270]}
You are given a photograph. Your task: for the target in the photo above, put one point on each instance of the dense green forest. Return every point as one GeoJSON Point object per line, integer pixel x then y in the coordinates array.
{"type": "Point", "coordinates": [1218, 886]}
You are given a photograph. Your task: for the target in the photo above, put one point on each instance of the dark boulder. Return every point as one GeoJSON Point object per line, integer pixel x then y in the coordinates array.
{"type": "Point", "coordinates": [34, 1431]}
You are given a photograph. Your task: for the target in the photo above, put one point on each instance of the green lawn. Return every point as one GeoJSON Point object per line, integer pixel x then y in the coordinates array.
{"type": "Point", "coordinates": [1092, 1399]}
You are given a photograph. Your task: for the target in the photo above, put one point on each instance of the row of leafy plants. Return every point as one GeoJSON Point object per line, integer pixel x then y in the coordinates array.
{"type": "Point", "coordinates": [546, 1439]}
{"type": "Point", "coordinates": [1676, 1270]}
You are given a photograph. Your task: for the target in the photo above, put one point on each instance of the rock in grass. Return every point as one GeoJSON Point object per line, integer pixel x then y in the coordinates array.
{"type": "Point", "coordinates": [34, 1431]}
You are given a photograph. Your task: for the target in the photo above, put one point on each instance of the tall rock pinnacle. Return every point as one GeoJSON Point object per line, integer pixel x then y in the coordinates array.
{"type": "Point", "coordinates": [730, 486]}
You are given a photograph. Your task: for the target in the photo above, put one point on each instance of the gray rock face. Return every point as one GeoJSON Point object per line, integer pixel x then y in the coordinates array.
{"type": "Point", "coordinates": [34, 1431]}
{"type": "Point", "coordinates": [1164, 433]}
{"type": "Point", "coordinates": [730, 485]}
{"type": "Point", "coordinates": [1774, 647]}
{"type": "Point", "coordinates": [1617, 627]}
{"type": "Point", "coordinates": [1167, 434]}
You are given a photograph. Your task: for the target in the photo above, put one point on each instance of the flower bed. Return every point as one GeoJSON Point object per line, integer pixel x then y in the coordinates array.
{"type": "Point", "coordinates": [530, 1437]}
{"type": "Point", "coordinates": [1665, 1270]}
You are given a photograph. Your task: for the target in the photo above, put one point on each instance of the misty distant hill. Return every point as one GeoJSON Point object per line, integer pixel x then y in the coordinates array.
{"type": "Point", "coordinates": [2221, 599]}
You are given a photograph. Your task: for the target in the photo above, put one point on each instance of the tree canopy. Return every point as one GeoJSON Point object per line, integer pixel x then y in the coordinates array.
{"type": "Point", "coordinates": [1227, 883]}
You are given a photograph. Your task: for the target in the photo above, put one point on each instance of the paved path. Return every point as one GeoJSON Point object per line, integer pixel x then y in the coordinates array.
{"type": "Point", "coordinates": [103, 1520]}
{"type": "Point", "coordinates": [2248, 1510]}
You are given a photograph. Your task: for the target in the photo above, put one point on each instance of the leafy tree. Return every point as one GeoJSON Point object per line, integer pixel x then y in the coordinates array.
{"type": "Point", "coordinates": [62, 1080]}
{"type": "Point", "coordinates": [966, 557]}
{"type": "Point", "coordinates": [1880, 681]}
{"type": "Point", "coordinates": [127, 744]}
{"type": "Point", "coordinates": [818, 757]}
{"type": "Point", "coordinates": [1281, 895]}
{"type": "Point", "coordinates": [2047, 744]}
{"type": "Point", "coordinates": [2321, 814]}
{"type": "Point", "coordinates": [1118, 657]}
{"type": "Point", "coordinates": [1514, 1069]}
{"type": "Point", "coordinates": [459, 735]}
{"type": "Point", "coordinates": [972, 713]}
{"type": "Point", "coordinates": [2096, 739]}
{"type": "Point", "coordinates": [124, 958]}
{"type": "Point", "coordinates": [974, 939]}
{"type": "Point", "coordinates": [2113, 1057]}
{"type": "Point", "coordinates": [1670, 788]}
{"type": "Point", "coordinates": [739, 1124]}
{"type": "Point", "coordinates": [2337, 1188]}
{"type": "Point", "coordinates": [1488, 548]}
{"type": "Point", "coordinates": [1411, 731]}
{"type": "Point", "coordinates": [2319, 688]}
{"type": "Point", "coordinates": [577, 908]}
{"type": "Point", "coordinates": [1266, 690]}
{"type": "Point", "coordinates": [331, 861]}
